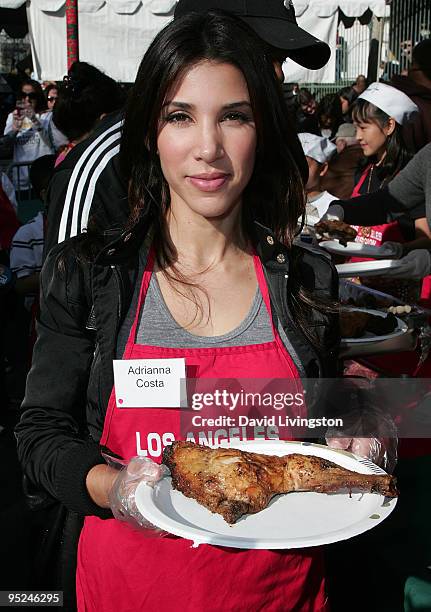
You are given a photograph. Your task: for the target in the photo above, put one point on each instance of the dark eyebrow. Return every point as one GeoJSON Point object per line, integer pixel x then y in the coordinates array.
{"type": "Point", "coordinates": [186, 106]}
{"type": "Point", "coordinates": [237, 104]}
{"type": "Point", "coordinates": [183, 105]}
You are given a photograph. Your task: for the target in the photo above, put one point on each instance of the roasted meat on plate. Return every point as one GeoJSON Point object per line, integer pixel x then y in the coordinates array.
{"type": "Point", "coordinates": [232, 482]}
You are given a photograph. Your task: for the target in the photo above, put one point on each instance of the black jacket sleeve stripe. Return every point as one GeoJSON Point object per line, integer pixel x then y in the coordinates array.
{"type": "Point", "coordinates": [83, 212]}
{"type": "Point", "coordinates": [76, 195]}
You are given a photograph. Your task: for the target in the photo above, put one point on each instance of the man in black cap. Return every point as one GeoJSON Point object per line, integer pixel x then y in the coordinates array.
{"type": "Point", "coordinates": [275, 23]}
{"type": "Point", "coordinates": [89, 182]}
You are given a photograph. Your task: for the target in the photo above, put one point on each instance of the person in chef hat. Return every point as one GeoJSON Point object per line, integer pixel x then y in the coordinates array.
{"type": "Point", "coordinates": [318, 151]}
{"type": "Point", "coordinates": [379, 114]}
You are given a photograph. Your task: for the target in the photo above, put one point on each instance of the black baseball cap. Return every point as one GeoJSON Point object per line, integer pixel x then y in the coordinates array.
{"type": "Point", "coordinates": [274, 21]}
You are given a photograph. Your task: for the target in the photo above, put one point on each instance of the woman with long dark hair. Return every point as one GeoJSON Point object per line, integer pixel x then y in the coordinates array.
{"type": "Point", "coordinates": [58, 139]}
{"type": "Point", "coordinates": [204, 272]}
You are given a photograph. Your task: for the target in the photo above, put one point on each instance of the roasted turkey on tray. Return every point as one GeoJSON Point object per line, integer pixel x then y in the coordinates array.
{"type": "Point", "coordinates": [232, 482]}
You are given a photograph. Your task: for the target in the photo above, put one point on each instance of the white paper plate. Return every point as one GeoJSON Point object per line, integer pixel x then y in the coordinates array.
{"type": "Point", "coordinates": [354, 249]}
{"type": "Point", "coordinates": [401, 329]}
{"type": "Point", "coordinates": [295, 520]}
{"type": "Point", "coordinates": [367, 268]}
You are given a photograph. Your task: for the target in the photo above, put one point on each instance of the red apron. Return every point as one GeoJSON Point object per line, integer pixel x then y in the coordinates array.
{"type": "Point", "coordinates": [120, 569]}
{"type": "Point", "coordinates": [375, 235]}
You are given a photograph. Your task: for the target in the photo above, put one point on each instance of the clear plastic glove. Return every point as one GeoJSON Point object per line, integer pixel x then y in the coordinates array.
{"type": "Point", "coordinates": [369, 433]}
{"type": "Point", "coordinates": [391, 250]}
{"type": "Point", "coordinates": [335, 212]}
{"type": "Point", "coordinates": [414, 265]}
{"type": "Point", "coordinates": [122, 493]}
{"type": "Point", "coordinates": [381, 451]}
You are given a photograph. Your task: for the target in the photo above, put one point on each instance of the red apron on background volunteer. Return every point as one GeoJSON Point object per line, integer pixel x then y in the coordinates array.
{"type": "Point", "coordinates": [375, 235]}
{"type": "Point", "coordinates": [121, 569]}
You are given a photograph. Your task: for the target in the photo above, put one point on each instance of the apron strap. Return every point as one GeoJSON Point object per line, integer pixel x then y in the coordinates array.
{"type": "Point", "coordinates": [355, 192]}
{"type": "Point", "coordinates": [263, 286]}
{"type": "Point", "coordinates": [142, 293]}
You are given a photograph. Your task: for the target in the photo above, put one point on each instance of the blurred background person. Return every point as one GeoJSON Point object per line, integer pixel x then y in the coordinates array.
{"type": "Point", "coordinates": [27, 244]}
{"type": "Point", "coordinates": [340, 177]}
{"type": "Point", "coordinates": [51, 94]}
{"type": "Point", "coordinates": [306, 117]}
{"type": "Point", "coordinates": [25, 262]}
{"type": "Point", "coordinates": [347, 96]}
{"type": "Point", "coordinates": [57, 139]}
{"type": "Point", "coordinates": [329, 115]}
{"type": "Point", "coordinates": [30, 138]}
{"type": "Point", "coordinates": [85, 97]}
{"type": "Point", "coordinates": [318, 151]}
{"type": "Point", "coordinates": [417, 85]}
{"type": "Point", "coordinates": [360, 84]}
{"type": "Point", "coordinates": [26, 254]}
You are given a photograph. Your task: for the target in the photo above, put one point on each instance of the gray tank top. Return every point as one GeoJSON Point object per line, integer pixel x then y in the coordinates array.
{"type": "Point", "coordinates": [157, 327]}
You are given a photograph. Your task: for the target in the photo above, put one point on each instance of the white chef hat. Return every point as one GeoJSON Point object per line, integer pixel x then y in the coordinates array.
{"type": "Point", "coordinates": [391, 101]}
{"type": "Point", "coordinates": [317, 147]}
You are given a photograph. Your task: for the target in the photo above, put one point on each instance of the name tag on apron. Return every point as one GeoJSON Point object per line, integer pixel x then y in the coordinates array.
{"type": "Point", "coordinates": [149, 383]}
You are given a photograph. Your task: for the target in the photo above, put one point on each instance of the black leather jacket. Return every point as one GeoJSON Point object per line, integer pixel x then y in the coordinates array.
{"type": "Point", "coordinates": [82, 308]}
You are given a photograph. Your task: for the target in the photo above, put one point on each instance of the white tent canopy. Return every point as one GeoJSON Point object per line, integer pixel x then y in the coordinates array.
{"type": "Point", "coordinates": [351, 8]}
{"type": "Point", "coordinates": [320, 18]}
{"type": "Point", "coordinates": [114, 34]}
